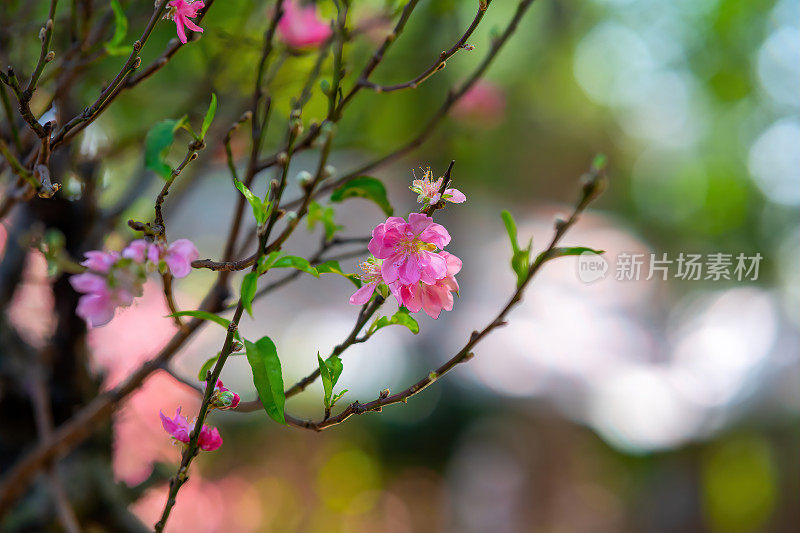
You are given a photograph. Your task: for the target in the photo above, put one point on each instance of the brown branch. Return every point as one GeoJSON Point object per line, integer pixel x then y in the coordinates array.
{"type": "Point", "coordinates": [171, 50]}
{"type": "Point", "coordinates": [46, 55]}
{"type": "Point", "coordinates": [117, 84]}
{"type": "Point", "coordinates": [438, 64]}
{"type": "Point", "coordinates": [452, 98]}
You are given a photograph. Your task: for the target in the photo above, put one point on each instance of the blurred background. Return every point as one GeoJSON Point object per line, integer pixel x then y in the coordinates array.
{"type": "Point", "coordinates": [611, 405]}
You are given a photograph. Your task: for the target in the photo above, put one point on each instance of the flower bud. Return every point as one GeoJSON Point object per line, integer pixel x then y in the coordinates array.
{"type": "Point", "coordinates": [304, 177]}
{"type": "Point", "coordinates": [328, 171]}
{"type": "Point", "coordinates": [222, 399]}
{"type": "Point", "coordinates": [281, 158]}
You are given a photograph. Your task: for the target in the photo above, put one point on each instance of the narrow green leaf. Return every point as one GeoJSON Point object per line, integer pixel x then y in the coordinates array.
{"type": "Point", "coordinates": [333, 267]}
{"type": "Point", "coordinates": [266, 262]}
{"type": "Point", "coordinates": [511, 228]}
{"type": "Point", "coordinates": [120, 25]}
{"type": "Point", "coordinates": [157, 144]}
{"type": "Point", "coordinates": [327, 380]}
{"type": "Point", "coordinates": [209, 118]}
{"type": "Point", "coordinates": [267, 377]}
{"type": "Point", "coordinates": [293, 261]}
{"type": "Point", "coordinates": [203, 372]}
{"type": "Point", "coordinates": [338, 397]}
{"type": "Point", "coordinates": [561, 252]}
{"type": "Point", "coordinates": [260, 209]}
{"type": "Point", "coordinates": [224, 322]}
{"type": "Point", "coordinates": [248, 291]}
{"type": "Point", "coordinates": [364, 187]}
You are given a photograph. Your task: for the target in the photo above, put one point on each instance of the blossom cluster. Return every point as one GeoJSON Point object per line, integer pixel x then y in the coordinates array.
{"type": "Point", "coordinates": [114, 279]}
{"type": "Point", "coordinates": [408, 256]}
{"type": "Point", "coordinates": [180, 428]}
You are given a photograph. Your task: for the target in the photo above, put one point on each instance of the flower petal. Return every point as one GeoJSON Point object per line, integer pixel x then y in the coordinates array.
{"type": "Point", "coordinates": [455, 196]}
{"type": "Point", "coordinates": [362, 295]}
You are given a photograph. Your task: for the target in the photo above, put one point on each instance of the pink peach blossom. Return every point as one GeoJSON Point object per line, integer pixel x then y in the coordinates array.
{"type": "Point", "coordinates": [178, 256]}
{"type": "Point", "coordinates": [299, 26]}
{"type": "Point", "coordinates": [99, 301]}
{"type": "Point", "coordinates": [408, 249]}
{"type": "Point", "coordinates": [433, 298]}
{"type": "Point", "coordinates": [136, 250]}
{"type": "Point", "coordinates": [181, 11]}
{"type": "Point", "coordinates": [180, 428]}
{"type": "Point", "coordinates": [99, 261]}
{"type": "Point", "coordinates": [428, 190]}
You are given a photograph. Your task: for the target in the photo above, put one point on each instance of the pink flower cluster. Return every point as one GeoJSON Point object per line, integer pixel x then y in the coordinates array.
{"type": "Point", "coordinates": [407, 261]}
{"type": "Point", "coordinates": [180, 428]}
{"type": "Point", "coordinates": [299, 26]}
{"type": "Point", "coordinates": [114, 279]}
{"type": "Point", "coordinates": [181, 11]}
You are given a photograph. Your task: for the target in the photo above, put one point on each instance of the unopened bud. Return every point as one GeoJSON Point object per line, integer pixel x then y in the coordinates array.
{"type": "Point", "coordinates": [281, 158]}
{"type": "Point", "coordinates": [297, 127]}
{"type": "Point", "coordinates": [291, 216]}
{"type": "Point", "coordinates": [304, 177]}
{"type": "Point", "coordinates": [328, 171]}
{"type": "Point", "coordinates": [50, 56]}
{"type": "Point", "coordinates": [560, 223]}
{"type": "Point", "coordinates": [222, 399]}
{"type": "Point", "coordinates": [236, 346]}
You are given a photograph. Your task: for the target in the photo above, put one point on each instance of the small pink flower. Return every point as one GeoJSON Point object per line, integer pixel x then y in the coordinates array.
{"type": "Point", "coordinates": [100, 261]}
{"type": "Point", "coordinates": [408, 249]}
{"type": "Point", "coordinates": [428, 190]}
{"type": "Point", "coordinates": [181, 11]}
{"type": "Point", "coordinates": [99, 301]}
{"type": "Point", "coordinates": [178, 256]}
{"type": "Point", "coordinates": [180, 428]}
{"type": "Point", "coordinates": [299, 26]}
{"type": "Point", "coordinates": [433, 298]}
{"type": "Point", "coordinates": [136, 250]}
{"type": "Point", "coordinates": [224, 398]}
{"type": "Point", "coordinates": [484, 103]}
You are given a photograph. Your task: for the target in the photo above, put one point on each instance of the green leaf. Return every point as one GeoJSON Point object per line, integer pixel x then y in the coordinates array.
{"type": "Point", "coordinates": [329, 370]}
{"type": "Point", "coordinates": [210, 362]}
{"type": "Point", "coordinates": [209, 118]}
{"type": "Point", "coordinates": [248, 291]}
{"type": "Point", "coordinates": [402, 317]}
{"type": "Point", "coordinates": [326, 215]}
{"type": "Point", "coordinates": [520, 257]}
{"type": "Point", "coordinates": [511, 228]}
{"type": "Point", "coordinates": [261, 210]}
{"type": "Point", "coordinates": [293, 261]}
{"type": "Point", "coordinates": [157, 144]}
{"type": "Point", "coordinates": [266, 262]}
{"type": "Point", "coordinates": [333, 267]}
{"type": "Point", "coordinates": [224, 322]}
{"type": "Point", "coordinates": [561, 252]}
{"type": "Point", "coordinates": [267, 377]}
{"type": "Point", "coordinates": [338, 397]}
{"type": "Point", "coordinates": [120, 30]}
{"type": "Point", "coordinates": [364, 187]}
